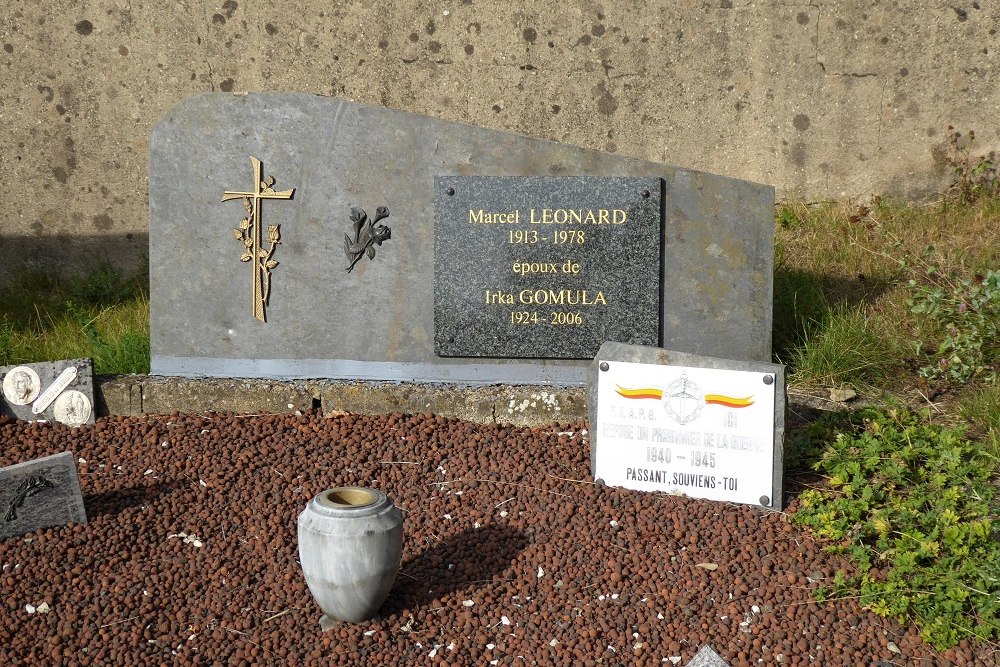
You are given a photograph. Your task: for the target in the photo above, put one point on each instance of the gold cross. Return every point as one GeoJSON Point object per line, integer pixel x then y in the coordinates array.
{"type": "Point", "coordinates": [250, 234]}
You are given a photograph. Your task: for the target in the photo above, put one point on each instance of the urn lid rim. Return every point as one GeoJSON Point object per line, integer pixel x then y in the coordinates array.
{"type": "Point", "coordinates": [350, 500]}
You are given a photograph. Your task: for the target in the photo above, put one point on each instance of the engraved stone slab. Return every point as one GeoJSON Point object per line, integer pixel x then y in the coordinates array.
{"type": "Point", "coordinates": [678, 423]}
{"type": "Point", "coordinates": [41, 493]}
{"type": "Point", "coordinates": [64, 392]}
{"type": "Point", "coordinates": [376, 321]}
{"type": "Point", "coordinates": [545, 266]}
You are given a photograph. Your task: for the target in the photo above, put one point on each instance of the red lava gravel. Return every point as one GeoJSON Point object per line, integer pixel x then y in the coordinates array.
{"type": "Point", "coordinates": [511, 556]}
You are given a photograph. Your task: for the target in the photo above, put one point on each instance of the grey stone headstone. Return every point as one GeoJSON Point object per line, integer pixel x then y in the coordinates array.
{"type": "Point", "coordinates": [545, 266]}
{"type": "Point", "coordinates": [707, 657]}
{"type": "Point", "coordinates": [376, 322]}
{"type": "Point", "coordinates": [48, 372]}
{"type": "Point", "coordinates": [41, 493]}
{"type": "Point", "coordinates": [618, 352]}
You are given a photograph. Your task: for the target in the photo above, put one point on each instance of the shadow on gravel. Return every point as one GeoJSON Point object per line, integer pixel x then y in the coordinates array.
{"type": "Point", "coordinates": [113, 502]}
{"type": "Point", "coordinates": [475, 557]}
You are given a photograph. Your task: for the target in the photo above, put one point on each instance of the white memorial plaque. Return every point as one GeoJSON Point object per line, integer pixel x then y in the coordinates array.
{"type": "Point", "coordinates": [703, 432]}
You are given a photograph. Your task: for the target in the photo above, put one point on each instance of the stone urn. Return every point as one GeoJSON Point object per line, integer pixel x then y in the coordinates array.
{"type": "Point", "coordinates": [350, 545]}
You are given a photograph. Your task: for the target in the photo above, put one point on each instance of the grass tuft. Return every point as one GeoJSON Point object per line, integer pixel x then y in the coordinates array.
{"type": "Point", "coordinates": [846, 348]}
{"type": "Point", "coordinates": [102, 315]}
{"type": "Point", "coordinates": [979, 405]}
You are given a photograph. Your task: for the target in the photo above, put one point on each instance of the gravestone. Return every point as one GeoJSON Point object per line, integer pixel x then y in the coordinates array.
{"type": "Point", "coordinates": [296, 236]}
{"type": "Point", "coordinates": [60, 391]}
{"type": "Point", "coordinates": [701, 426]}
{"type": "Point", "coordinates": [41, 493]}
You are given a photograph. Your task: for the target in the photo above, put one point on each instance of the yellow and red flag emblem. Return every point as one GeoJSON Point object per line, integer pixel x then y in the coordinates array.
{"type": "Point", "coordinates": [728, 401]}
{"type": "Point", "coordinates": [642, 392]}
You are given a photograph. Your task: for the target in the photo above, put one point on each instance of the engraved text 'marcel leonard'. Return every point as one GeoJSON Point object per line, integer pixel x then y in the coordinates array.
{"type": "Point", "coordinates": [550, 216]}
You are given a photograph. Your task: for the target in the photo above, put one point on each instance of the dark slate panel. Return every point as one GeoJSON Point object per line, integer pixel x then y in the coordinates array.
{"type": "Point", "coordinates": [545, 266]}
{"type": "Point", "coordinates": [40, 494]}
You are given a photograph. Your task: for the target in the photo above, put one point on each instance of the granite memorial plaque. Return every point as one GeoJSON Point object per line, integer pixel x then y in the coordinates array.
{"type": "Point", "coordinates": [60, 391]}
{"type": "Point", "coordinates": [704, 427]}
{"type": "Point", "coordinates": [40, 494]}
{"type": "Point", "coordinates": [545, 266]}
{"type": "Point", "coordinates": [292, 236]}
{"type": "Point", "coordinates": [707, 657]}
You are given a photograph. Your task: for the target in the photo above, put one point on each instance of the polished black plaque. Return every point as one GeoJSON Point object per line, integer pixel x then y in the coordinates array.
{"type": "Point", "coordinates": [545, 267]}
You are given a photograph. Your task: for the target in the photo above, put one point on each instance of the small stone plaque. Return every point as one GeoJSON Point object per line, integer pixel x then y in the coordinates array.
{"type": "Point", "coordinates": [545, 266]}
{"type": "Point", "coordinates": [60, 391]}
{"type": "Point", "coordinates": [40, 494]}
{"type": "Point", "coordinates": [703, 427]}
{"type": "Point", "coordinates": [707, 657]}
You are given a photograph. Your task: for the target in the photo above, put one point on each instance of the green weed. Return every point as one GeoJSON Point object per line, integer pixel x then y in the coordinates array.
{"type": "Point", "coordinates": [974, 177]}
{"type": "Point", "coordinates": [913, 506]}
{"type": "Point", "coordinates": [966, 314]}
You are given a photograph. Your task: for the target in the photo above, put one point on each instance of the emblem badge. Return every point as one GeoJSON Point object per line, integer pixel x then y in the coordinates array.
{"type": "Point", "coordinates": [682, 400]}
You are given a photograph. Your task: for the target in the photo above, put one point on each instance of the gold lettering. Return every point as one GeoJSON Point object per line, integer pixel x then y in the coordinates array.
{"type": "Point", "coordinates": [543, 297]}
{"type": "Point", "coordinates": [481, 217]}
{"type": "Point", "coordinates": [495, 297]}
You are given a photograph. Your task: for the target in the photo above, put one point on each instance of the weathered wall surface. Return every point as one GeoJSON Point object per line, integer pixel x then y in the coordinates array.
{"type": "Point", "coordinates": [828, 98]}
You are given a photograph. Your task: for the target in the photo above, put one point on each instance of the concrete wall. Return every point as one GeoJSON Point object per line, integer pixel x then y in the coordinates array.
{"type": "Point", "coordinates": [823, 99]}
